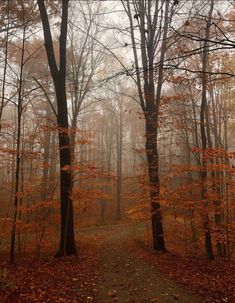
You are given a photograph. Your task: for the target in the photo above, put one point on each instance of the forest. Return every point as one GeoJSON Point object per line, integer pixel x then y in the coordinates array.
{"type": "Point", "coordinates": [117, 151]}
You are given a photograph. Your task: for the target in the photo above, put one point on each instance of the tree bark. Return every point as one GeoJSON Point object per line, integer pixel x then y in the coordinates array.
{"type": "Point", "coordinates": [67, 239]}
{"type": "Point", "coordinates": [150, 93]}
{"type": "Point", "coordinates": [18, 153]}
{"type": "Point", "coordinates": [152, 159]}
{"type": "Point", "coordinates": [205, 139]}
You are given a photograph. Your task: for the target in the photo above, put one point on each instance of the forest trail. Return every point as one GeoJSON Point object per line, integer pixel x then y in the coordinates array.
{"type": "Point", "coordinates": [127, 278]}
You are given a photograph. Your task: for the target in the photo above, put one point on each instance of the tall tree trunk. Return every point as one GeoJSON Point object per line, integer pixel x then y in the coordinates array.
{"type": "Point", "coordinates": [220, 246]}
{"type": "Point", "coordinates": [148, 16]}
{"type": "Point", "coordinates": [67, 239]}
{"type": "Point", "coordinates": [119, 161]}
{"type": "Point", "coordinates": [152, 159]}
{"type": "Point", "coordinates": [18, 154]}
{"type": "Point", "coordinates": [204, 138]}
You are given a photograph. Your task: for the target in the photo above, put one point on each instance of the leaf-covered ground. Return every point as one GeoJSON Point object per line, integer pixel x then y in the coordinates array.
{"type": "Point", "coordinates": [51, 280]}
{"type": "Point", "coordinates": [110, 268]}
{"type": "Point", "coordinates": [214, 281]}
{"type": "Point", "coordinates": [128, 278]}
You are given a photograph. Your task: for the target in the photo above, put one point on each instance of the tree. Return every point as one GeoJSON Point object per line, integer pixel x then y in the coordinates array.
{"type": "Point", "coordinates": [147, 16]}
{"type": "Point", "coordinates": [18, 151]}
{"type": "Point", "coordinates": [205, 138]}
{"type": "Point", "coordinates": [67, 239]}
{"type": "Point", "coordinates": [83, 60]}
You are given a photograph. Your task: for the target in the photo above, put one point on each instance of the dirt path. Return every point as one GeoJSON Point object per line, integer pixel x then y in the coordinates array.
{"type": "Point", "coordinates": [127, 278]}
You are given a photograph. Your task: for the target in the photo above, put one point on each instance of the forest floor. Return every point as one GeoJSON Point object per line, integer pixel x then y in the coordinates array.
{"type": "Point", "coordinates": [112, 268]}
{"type": "Point", "coordinates": [127, 277]}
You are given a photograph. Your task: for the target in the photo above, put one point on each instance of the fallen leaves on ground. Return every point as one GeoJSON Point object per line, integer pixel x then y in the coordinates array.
{"type": "Point", "coordinates": [213, 280]}
{"type": "Point", "coordinates": [57, 280]}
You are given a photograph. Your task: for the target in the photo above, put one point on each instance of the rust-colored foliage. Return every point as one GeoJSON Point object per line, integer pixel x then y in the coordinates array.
{"type": "Point", "coordinates": [68, 280]}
